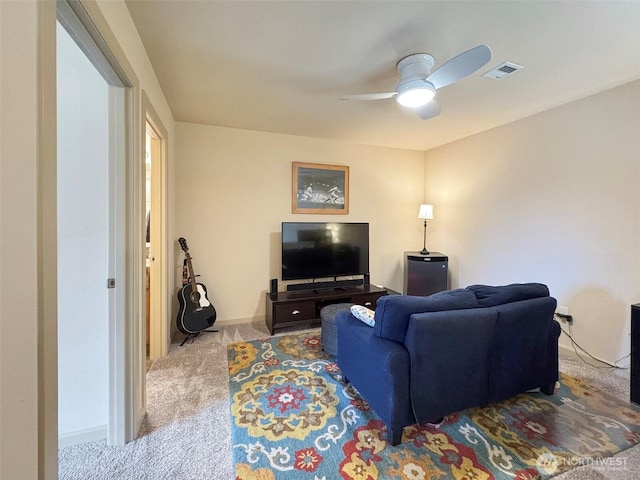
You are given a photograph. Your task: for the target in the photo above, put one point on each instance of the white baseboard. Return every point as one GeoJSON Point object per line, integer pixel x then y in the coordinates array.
{"type": "Point", "coordinates": [567, 351]}
{"type": "Point", "coordinates": [235, 321]}
{"type": "Point", "coordinates": [177, 336]}
{"type": "Point", "coordinates": [570, 352]}
{"type": "Point", "coordinates": [82, 436]}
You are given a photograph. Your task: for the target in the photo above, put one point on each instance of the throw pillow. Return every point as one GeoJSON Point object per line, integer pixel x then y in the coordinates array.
{"type": "Point", "coordinates": [363, 314]}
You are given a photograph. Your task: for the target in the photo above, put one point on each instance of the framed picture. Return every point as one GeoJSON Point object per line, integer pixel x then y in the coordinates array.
{"type": "Point", "coordinates": [318, 188]}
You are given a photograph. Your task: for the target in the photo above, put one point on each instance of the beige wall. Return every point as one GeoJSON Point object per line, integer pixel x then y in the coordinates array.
{"type": "Point", "coordinates": [233, 190]}
{"type": "Point", "coordinates": [552, 198]}
{"type": "Point", "coordinates": [28, 371]}
{"type": "Point", "coordinates": [20, 375]}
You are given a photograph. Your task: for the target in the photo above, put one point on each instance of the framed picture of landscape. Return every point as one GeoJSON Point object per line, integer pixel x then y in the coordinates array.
{"type": "Point", "coordinates": [319, 188]}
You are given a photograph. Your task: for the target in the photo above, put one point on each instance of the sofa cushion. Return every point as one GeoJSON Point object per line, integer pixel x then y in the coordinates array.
{"type": "Point", "coordinates": [393, 311]}
{"type": "Point", "coordinates": [489, 296]}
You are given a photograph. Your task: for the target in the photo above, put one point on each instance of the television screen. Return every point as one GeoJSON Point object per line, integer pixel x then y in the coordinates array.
{"type": "Point", "coordinates": [320, 249]}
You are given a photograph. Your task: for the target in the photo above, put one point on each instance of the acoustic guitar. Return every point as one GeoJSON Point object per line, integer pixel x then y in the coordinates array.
{"type": "Point", "coordinates": [196, 312]}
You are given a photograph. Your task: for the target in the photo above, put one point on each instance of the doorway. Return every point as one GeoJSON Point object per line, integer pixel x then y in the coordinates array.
{"type": "Point", "coordinates": [158, 321]}
{"type": "Point", "coordinates": [148, 165]}
{"type": "Point", "coordinates": [120, 281]}
{"type": "Point", "coordinates": [83, 237]}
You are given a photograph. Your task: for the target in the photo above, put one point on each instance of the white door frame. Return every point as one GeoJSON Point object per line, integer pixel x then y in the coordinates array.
{"type": "Point", "coordinates": [86, 24]}
{"type": "Point", "coordinates": [159, 335]}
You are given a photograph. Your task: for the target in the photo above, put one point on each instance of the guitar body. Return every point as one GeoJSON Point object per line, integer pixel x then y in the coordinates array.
{"type": "Point", "coordinates": [196, 312]}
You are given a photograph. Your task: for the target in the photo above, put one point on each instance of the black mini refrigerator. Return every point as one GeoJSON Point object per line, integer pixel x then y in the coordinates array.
{"type": "Point", "coordinates": [425, 274]}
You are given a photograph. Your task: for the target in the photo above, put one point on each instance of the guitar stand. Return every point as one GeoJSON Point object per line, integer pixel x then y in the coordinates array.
{"type": "Point", "coordinates": [192, 336]}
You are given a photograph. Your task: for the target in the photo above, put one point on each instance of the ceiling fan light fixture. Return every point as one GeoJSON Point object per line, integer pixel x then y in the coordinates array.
{"type": "Point", "coordinates": [418, 84]}
{"type": "Point", "coordinates": [415, 93]}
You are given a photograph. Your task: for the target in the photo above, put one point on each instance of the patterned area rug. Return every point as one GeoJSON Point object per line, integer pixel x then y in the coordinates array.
{"type": "Point", "coordinates": [293, 417]}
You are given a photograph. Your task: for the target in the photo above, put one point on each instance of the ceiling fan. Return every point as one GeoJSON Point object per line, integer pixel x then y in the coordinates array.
{"type": "Point", "coordinates": [417, 86]}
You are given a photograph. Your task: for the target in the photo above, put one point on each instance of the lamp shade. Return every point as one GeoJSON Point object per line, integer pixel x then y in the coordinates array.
{"type": "Point", "coordinates": [426, 212]}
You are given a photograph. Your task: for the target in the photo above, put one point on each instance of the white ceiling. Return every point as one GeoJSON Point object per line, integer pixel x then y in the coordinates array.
{"type": "Point", "coordinates": [282, 66]}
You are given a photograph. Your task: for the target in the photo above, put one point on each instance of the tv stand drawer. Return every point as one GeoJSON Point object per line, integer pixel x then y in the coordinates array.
{"type": "Point", "coordinates": [291, 312]}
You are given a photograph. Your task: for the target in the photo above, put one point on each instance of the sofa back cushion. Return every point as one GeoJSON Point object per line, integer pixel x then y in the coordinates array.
{"type": "Point", "coordinates": [489, 296]}
{"type": "Point", "coordinates": [393, 311]}
{"type": "Point", "coordinates": [450, 360]}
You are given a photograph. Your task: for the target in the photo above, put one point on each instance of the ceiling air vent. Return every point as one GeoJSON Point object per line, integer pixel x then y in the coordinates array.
{"type": "Point", "coordinates": [507, 68]}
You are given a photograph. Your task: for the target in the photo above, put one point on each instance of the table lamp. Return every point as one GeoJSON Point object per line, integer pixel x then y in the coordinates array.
{"type": "Point", "coordinates": [426, 212]}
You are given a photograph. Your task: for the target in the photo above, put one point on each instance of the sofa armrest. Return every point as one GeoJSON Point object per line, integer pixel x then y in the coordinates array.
{"type": "Point", "coordinates": [525, 349]}
{"type": "Point", "coordinates": [378, 368]}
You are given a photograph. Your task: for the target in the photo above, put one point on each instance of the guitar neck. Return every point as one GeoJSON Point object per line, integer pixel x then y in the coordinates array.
{"type": "Point", "coordinates": [192, 276]}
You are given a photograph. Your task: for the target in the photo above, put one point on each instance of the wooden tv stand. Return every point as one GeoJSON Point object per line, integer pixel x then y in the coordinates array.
{"type": "Point", "coordinates": [302, 308]}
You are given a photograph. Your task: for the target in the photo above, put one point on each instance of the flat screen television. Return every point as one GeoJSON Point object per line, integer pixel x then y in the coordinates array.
{"type": "Point", "coordinates": [324, 249]}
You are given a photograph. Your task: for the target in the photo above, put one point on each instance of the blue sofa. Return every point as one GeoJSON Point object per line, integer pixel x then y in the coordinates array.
{"type": "Point", "coordinates": [427, 357]}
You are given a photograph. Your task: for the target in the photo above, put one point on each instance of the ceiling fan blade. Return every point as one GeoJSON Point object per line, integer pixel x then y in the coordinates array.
{"type": "Point", "coordinates": [460, 66]}
{"type": "Point", "coordinates": [428, 110]}
{"type": "Point", "coordinates": [370, 96]}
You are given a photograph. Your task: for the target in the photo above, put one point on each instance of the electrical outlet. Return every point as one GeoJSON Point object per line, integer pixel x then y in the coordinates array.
{"type": "Point", "coordinates": [563, 314]}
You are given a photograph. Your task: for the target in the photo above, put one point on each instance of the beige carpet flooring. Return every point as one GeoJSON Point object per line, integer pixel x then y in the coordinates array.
{"type": "Point", "coordinates": [187, 433]}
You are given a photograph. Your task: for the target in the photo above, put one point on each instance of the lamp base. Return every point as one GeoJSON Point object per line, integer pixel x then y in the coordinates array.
{"type": "Point", "coordinates": [424, 252]}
